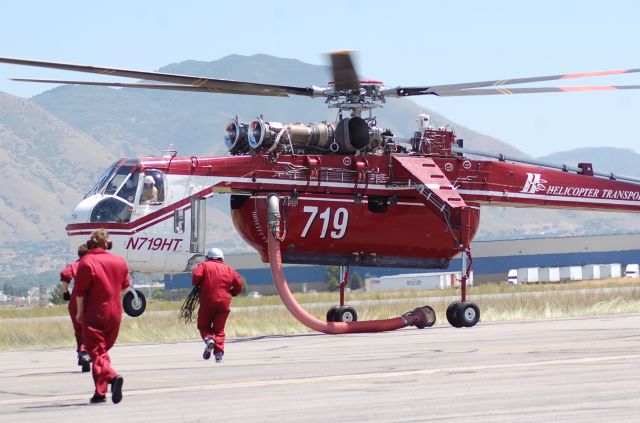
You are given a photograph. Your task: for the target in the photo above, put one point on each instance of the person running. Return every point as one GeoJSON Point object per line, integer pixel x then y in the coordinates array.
{"type": "Point", "coordinates": [217, 283]}
{"type": "Point", "coordinates": [100, 280]}
{"type": "Point", "coordinates": [66, 276]}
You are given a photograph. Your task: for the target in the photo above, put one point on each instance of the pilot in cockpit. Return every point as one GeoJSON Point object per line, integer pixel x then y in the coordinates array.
{"type": "Point", "coordinates": [128, 191]}
{"type": "Point", "coordinates": [149, 191]}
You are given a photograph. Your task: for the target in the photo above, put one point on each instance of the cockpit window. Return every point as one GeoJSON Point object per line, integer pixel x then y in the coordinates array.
{"type": "Point", "coordinates": [128, 189]}
{"type": "Point", "coordinates": [106, 176]}
{"type": "Point", "coordinates": [111, 209]}
{"type": "Point", "coordinates": [121, 179]}
{"type": "Point", "coordinates": [152, 187]}
{"type": "Point", "coordinates": [118, 179]}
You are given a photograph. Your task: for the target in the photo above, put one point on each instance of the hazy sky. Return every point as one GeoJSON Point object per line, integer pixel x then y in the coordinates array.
{"type": "Point", "coordinates": [398, 42]}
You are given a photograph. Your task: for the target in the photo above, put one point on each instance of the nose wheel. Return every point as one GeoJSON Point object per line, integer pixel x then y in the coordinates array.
{"type": "Point", "coordinates": [134, 304]}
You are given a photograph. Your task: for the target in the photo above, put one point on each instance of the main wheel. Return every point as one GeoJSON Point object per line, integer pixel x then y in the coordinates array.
{"type": "Point", "coordinates": [453, 312]}
{"type": "Point", "coordinates": [331, 314]}
{"type": "Point", "coordinates": [132, 306]}
{"type": "Point", "coordinates": [345, 314]}
{"type": "Point", "coordinates": [468, 314]}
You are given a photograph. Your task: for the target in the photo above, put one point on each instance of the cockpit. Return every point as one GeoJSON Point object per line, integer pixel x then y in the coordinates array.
{"type": "Point", "coordinates": [123, 187]}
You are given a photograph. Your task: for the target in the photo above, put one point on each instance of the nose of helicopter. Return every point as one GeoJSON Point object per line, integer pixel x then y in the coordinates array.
{"type": "Point", "coordinates": [81, 213]}
{"type": "Point", "coordinates": [78, 224]}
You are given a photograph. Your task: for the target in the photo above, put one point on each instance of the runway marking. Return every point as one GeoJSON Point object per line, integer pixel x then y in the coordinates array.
{"type": "Point", "coordinates": [334, 378]}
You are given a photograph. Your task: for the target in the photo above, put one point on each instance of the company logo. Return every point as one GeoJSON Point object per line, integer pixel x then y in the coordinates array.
{"type": "Point", "coordinates": [534, 183]}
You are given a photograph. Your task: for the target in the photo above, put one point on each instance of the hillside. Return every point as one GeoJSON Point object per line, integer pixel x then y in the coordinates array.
{"type": "Point", "coordinates": [620, 161]}
{"type": "Point", "coordinates": [45, 166]}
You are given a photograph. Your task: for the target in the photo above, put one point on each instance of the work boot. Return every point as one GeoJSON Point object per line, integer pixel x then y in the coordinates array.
{"type": "Point", "coordinates": [116, 389]}
{"type": "Point", "coordinates": [218, 356]}
{"type": "Point", "coordinates": [85, 362]}
{"type": "Point", "coordinates": [80, 355]}
{"type": "Point", "coordinates": [96, 399]}
{"type": "Point", "coordinates": [207, 350]}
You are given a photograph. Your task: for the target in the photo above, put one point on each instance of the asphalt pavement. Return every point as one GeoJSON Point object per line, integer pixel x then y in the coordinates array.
{"type": "Point", "coordinates": [563, 370]}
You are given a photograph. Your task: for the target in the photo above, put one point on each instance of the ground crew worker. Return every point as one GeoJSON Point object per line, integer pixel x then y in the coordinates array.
{"type": "Point", "coordinates": [218, 282]}
{"type": "Point", "coordinates": [66, 276]}
{"type": "Point", "coordinates": [100, 280]}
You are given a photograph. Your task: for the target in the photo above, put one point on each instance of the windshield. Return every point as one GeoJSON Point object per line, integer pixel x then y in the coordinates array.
{"type": "Point", "coordinates": [111, 209]}
{"type": "Point", "coordinates": [117, 180]}
{"type": "Point", "coordinates": [107, 175]}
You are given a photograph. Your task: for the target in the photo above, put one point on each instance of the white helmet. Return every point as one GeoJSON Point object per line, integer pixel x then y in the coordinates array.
{"type": "Point", "coordinates": [215, 253]}
{"type": "Point", "coordinates": [149, 180]}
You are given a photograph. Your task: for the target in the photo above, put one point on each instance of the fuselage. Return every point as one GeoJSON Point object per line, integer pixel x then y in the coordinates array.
{"type": "Point", "coordinates": [392, 210]}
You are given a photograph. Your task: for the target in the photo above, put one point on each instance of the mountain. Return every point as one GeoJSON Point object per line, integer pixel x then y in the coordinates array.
{"type": "Point", "coordinates": [45, 166]}
{"type": "Point", "coordinates": [620, 161]}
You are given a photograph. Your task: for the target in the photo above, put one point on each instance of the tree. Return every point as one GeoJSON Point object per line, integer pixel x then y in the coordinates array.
{"type": "Point", "coordinates": [245, 286]}
{"type": "Point", "coordinates": [355, 281]}
{"type": "Point", "coordinates": [56, 295]}
{"type": "Point", "coordinates": [332, 277]}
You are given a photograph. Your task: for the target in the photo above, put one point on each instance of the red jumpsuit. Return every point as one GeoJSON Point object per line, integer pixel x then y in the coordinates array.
{"type": "Point", "coordinates": [67, 275]}
{"type": "Point", "coordinates": [218, 283]}
{"type": "Point", "coordinates": [100, 279]}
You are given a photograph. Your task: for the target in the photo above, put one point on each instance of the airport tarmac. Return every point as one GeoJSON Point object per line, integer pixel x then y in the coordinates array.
{"type": "Point", "coordinates": [563, 370]}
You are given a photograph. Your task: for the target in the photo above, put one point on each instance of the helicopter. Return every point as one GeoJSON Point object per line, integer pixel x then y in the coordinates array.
{"type": "Point", "coordinates": [346, 192]}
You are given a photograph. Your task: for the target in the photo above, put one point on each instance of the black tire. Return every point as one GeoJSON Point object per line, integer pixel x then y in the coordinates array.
{"type": "Point", "coordinates": [132, 307]}
{"type": "Point", "coordinates": [331, 314]}
{"type": "Point", "coordinates": [453, 313]}
{"type": "Point", "coordinates": [345, 314]}
{"type": "Point", "coordinates": [468, 314]}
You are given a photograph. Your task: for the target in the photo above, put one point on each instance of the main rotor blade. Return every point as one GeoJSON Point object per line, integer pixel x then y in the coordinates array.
{"type": "Point", "coordinates": [409, 91]}
{"type": "Point", "coordinates": [344, 73]}
{"type": "Point", "coordinates": [167, 87]}
{"type": "Point", "coordinates": [216, 85]}
{"type": "Point", "coordinates": [533, 90]}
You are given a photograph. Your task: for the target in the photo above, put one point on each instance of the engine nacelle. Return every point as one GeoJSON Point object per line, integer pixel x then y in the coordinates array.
{"type": "Point", "coordinates": [263, 133]}
{"type": "Point", "coordinates": [346, 136]}
{"type": "Point", "coordinates": [318, 135]}
{"type": "Point", "coordinates": [235, 136]}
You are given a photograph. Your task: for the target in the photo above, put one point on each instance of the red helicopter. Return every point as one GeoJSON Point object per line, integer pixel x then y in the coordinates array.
{"type": "Point", "coordinates": [346, 193]}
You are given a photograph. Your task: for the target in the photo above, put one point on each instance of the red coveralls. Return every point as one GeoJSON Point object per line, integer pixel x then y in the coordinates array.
{"type": "Point", "coordinates": [67, 275]}
{"type": "Point", "coordinates": [218, 283]}
{"type": "Point", "coordinates": [100, 279]}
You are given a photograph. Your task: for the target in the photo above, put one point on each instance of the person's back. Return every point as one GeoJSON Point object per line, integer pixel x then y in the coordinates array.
{"type": "Point", "coordinates": [100, 281]}
{"type": "Point", "coordinates": [219, 281]}
{"type": "Point", "coordinates": [101, 278]}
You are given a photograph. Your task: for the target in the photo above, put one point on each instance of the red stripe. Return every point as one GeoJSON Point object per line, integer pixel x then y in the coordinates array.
{"type": "Point", "coordinates": [603, 88]}
{"type": "Point", "coordinates": [588, 74]}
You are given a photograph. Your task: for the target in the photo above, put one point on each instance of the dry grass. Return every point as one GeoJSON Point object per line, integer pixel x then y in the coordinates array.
{"type": "Point", "coordinates": [497, 303]}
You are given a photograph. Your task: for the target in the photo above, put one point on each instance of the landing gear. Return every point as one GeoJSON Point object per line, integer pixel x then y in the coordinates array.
{"type": "Point", "coordinates": [342, 313]}
{"type": "Point", "coordinates": [134, 304]}
{"type": "Point", "coordinates": [463, 314]}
